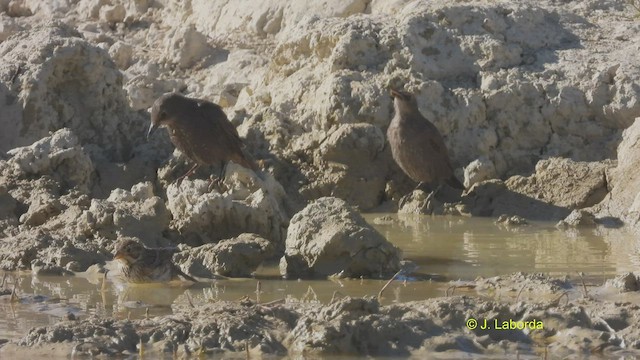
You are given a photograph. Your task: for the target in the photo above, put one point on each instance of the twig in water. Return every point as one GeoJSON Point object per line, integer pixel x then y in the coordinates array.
{"type": "Point", "coordinates": [334, 296]}
{"type": "Point", "coordinates": [14, 297]}
{"type": "Point", "coordinates": [258, 291]}
{"type": "Point", "coordinates": [584, 286]}
{"type": "Point", "coordinates": [310, 293]}
{"type": "Point", "coordinates": [454, 287]}
{"type": "Point", "coordinates": [104, 282]}
{"type": "Point", "coordinates": [388, 283]}
{"type": "Point", "coordinates": [520, 292]}
{"type": "Point", "coordinates": [274, 302]}
{"type": "Point", "coordinates": [141, 351]}
{"type": "Point", "coordinates": [16, 73]}
{"type": "Point", "coordinates": [189, 299]}
{"type": "Point", "coordinates": [557, 301]}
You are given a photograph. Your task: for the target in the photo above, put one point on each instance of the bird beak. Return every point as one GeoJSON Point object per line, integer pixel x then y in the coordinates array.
{"type": "Point", "coordinates": [152, 128]}
{"type": "Point", "coordinates": [395, 94]}
{"type": "Point", "coordinates": [119, 255]}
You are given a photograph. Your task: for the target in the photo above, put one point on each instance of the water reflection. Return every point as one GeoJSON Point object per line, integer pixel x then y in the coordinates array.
{"type": "Point", "coordinates": [465, 248]}
{"type": "Point", "coordinates": [444, 248]}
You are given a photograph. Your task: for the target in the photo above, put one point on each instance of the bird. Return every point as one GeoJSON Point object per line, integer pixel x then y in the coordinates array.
{"type": "Point", "coordinates": [200, 130]}
{"type": "Point", "coordinates": [417, 146]}
{"type": "Point", "coordinates": [140, 264]}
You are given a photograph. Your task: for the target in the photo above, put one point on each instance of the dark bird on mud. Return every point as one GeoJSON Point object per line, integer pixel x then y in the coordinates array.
{"type": "Point", "coordinates": [200, 130]}
{"type": "Point", "coordinates": [417, 146]}
{"type": "Point", "coordinates": [139, 264]}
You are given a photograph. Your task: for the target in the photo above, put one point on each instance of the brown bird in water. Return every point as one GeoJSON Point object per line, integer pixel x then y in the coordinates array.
{"type": "Point", "coordinates": [139, 264]}
{"type": "Point", "coordinates": [200, 130]}
{"type": "Point", "coordinates": [417, 146]}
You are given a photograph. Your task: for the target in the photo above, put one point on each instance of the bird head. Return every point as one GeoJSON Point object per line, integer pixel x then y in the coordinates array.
{"type": "Point", "coordinates": [163, 111]}
{"type": "Point", "coordinates": [403, 101]}
{"type": "Point", "coordinates": [128, 251]}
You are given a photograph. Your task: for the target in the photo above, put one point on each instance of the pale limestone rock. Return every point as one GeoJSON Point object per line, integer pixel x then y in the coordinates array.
{"type": "Point", "coordinates": [67, 82]}
{"type": "Point", "coordinates": [329, 238]}
{"type": "Point", "coordinates": [8, 26]}
{"type": "Point", "coordinates": [112, 14]}
{"type": "Point", "coordinates": [59, 155]}
{"type": "Point", "coordinates": [121, 53]}
{"type": "Point", "coordinates": [252, 204]}
{"type": "Point", "coordinates": [236, 257]}
{"type": "Point", "coordinates": [556, 188]}
{"type": "Point", "coordinates": [187, 46]}
{"type": "Point", "coordinates": [136, 213]}
{"type": "Point", "coordinates": [578, 218]}
{"type": "Point", "coordinates": [623, 201]}
{"type": "Point", "coordinates": [479, 170]}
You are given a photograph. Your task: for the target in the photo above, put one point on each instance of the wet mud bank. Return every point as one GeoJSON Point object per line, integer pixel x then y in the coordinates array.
{"type": "Point", "coordinates": [529, 315]}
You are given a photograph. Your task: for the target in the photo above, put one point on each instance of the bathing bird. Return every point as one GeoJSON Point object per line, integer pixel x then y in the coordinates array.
{"type": "Point", "coordinates": [140, 264]}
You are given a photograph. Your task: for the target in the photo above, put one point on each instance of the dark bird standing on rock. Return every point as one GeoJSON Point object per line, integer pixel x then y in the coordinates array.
{"type": "Point", "coordinates": [200, 130]}
{"type": "Point", "coordinates": [417, 146]}
{"type": "Point", "coordinates": [140, 264]}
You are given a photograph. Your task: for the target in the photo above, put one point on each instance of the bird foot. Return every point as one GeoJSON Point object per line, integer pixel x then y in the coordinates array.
{"type": "Point", "coordinates": [217, 184]}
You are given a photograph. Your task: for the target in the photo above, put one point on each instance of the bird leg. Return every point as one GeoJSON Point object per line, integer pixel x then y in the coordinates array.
{"type": "Point", "coordinates": [437, 190]}
{"type": "Point", "coordinates": [424, 187]}
{"type": "Point", "coordinates": [191, 171]}
{"type": "Point", "coordinates": [219, 182]}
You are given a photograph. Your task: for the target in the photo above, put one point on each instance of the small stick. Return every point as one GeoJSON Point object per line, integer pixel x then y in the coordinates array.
{"type": "Point", "coordinates": [189, 299]}
{"type": "Point", "coordinates": [334, 296]}
{"type": "Point", "coordinates": [273, 302]}
{"type": "Point", "coordinates": [14, 297]}
{"type": "Point", "coordinates": [104, 282]}
{"type": "Point", "coordinates": [388, 283]}
{"type": "Point", "coordinates": [15, 74]}
{"type": "Point", "coordinates": [520, 292]}
{"type": "Point", "coordinates": [557, 301]}
{"type": "Point", "coordinates": [258, 291]}
{"type": "Point", "coordinates": [584, 286]}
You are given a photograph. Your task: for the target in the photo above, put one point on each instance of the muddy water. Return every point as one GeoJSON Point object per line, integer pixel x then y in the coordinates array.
{"type": "Point", "coordinates": [444, 248]}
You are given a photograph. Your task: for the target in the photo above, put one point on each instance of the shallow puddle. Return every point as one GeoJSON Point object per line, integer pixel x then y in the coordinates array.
{"type": "Point", "coordinates": [444, 248]}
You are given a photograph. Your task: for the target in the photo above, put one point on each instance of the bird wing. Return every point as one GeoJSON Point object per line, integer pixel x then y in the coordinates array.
{"type": "Point", "coordinates": [225, 133]}
{"type": "Point", "coordinates": [424, 155]}
{"type": "Point", "coordinates": [213, 113]}
{"type": "Point", "coordinates": [157, 257]}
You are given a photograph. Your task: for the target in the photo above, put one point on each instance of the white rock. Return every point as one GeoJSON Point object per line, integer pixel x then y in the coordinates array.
{"type": "Point", "coordinates": [187, 46]}
{"type": "Point", "coordinates": [121, 54]}
{"type": "Point", "coordinates": [113, 14]}
{"type": "Point", "coordinates": [479, 170]}
{"type": "Point", "coordinates": [252, 205]}
{"type": "Point", "coordinates": [327, 237]}
{"type": "Point", "coordinates": [59, 155]}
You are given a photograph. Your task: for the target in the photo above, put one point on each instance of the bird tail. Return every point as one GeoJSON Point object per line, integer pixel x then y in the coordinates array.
{"type": "Point", "coordinates": [185, 275]}
{"type": "Point", "coordinates": [454, 183]}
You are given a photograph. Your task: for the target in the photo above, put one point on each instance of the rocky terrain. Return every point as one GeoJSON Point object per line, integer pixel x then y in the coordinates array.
{"type": "Point", "coordinates": [537, 102]}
